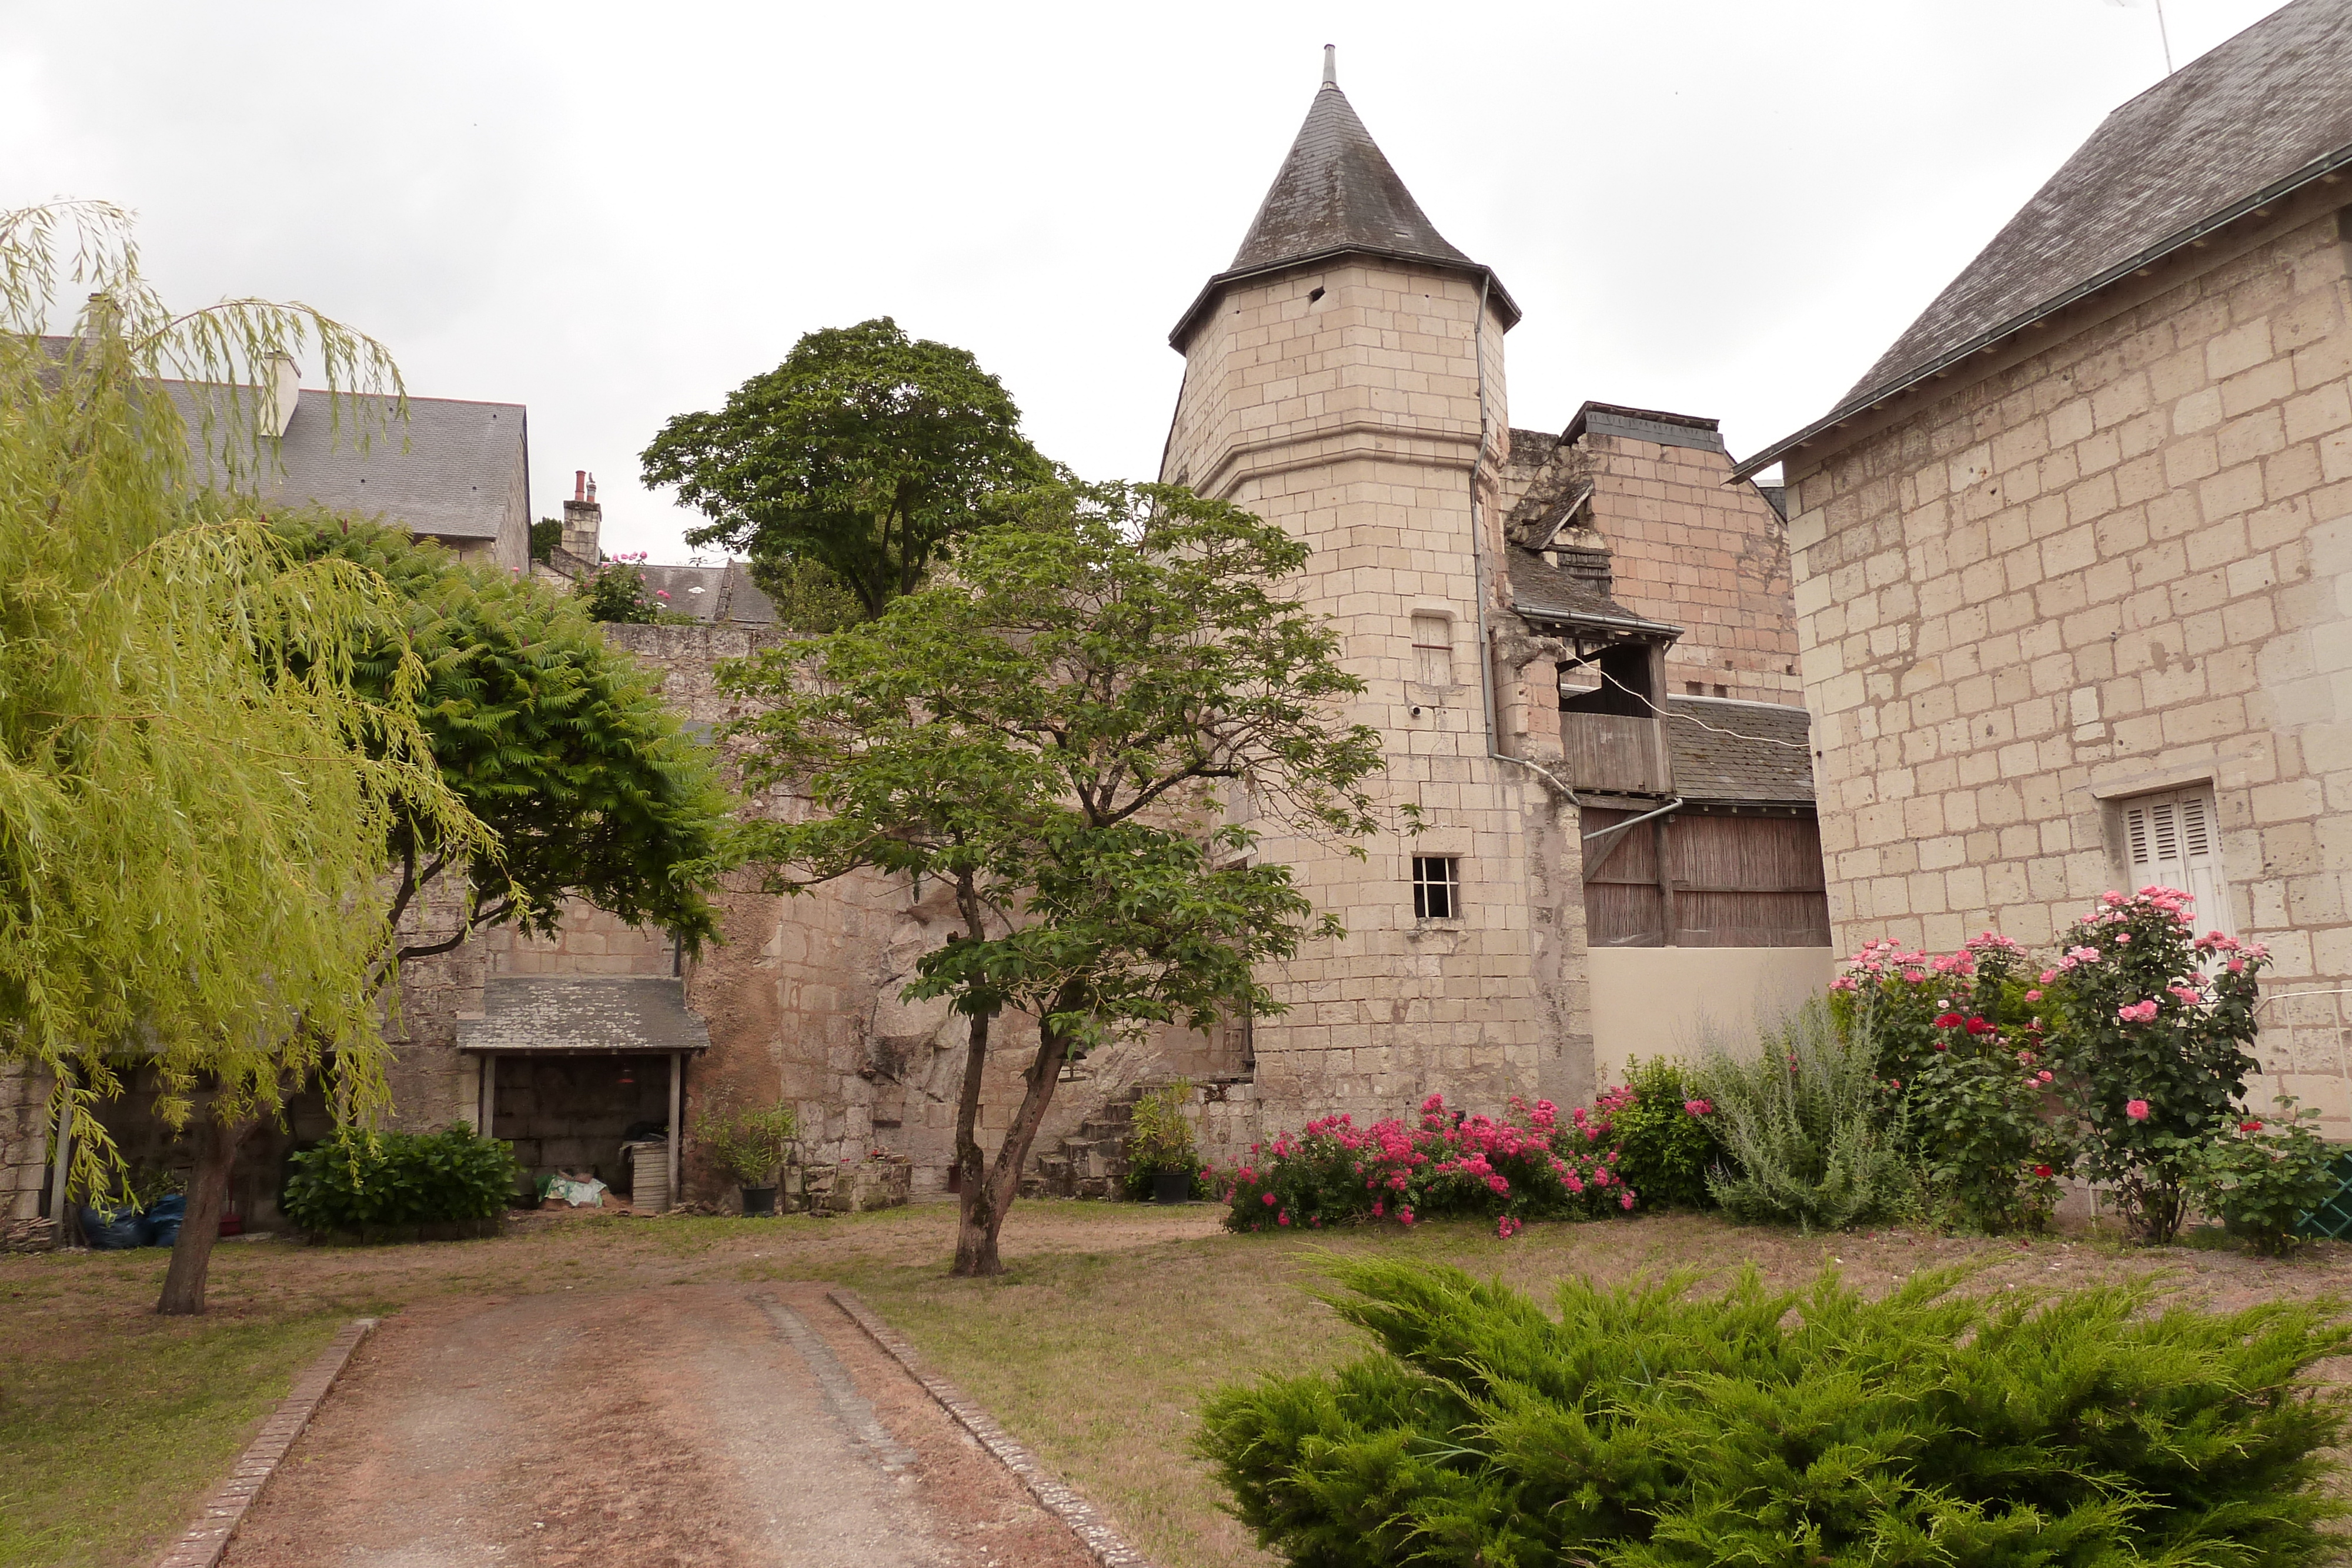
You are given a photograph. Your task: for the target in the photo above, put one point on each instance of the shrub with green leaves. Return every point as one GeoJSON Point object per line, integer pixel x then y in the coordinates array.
{"type": "Point", "coordinates": [363, 1182]}
{"type": "Point", "coordinates": [1815, 1137]}
{"type": "Point", "coordinates": [1161, 1140]}
{"type": "Point", "coordinates": [2159, 1048]}
{"type": "Point", "coordinates": [747, 1142]}
{"type": "Point", "coordinates": [1662, 1127]}
{"type": "Point", "coordinates": [1645, 1428]}
{"type": "Point", "coordinates": [2263, 1178]}
{"type": "Point", "coordinates": [1961, 1050]}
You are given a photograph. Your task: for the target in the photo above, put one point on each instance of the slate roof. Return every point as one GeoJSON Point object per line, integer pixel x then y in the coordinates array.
{"type": "Point", "coordinates": [714, 593]}
{"type": "Point", "coordinates": [1750, 752]}
{"type": "Point", "coordinates": [1540, 591]}
{"type": "Point", "coordinates": [1336, 194]}
{"type": "Point", "coordinates": [2263, 112]}
{"type": "Point", "coordinates": [584, 1015]}
{"type": "Point", "coordinates": [445, 472]}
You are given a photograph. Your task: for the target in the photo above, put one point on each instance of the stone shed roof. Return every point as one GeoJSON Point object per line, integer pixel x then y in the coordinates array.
{"type": "Point", "coordinates": [1543, 593]}
{"type": "Point", "coordinates": [2261, 114]}
{"type": "Point", "coordinates": [1336, 194]}
{"type": "Point", "coordinates": [445, 472]}
{"type": "Point", "coordinates": [1726, 749]}
{"type": "Point", "coordinates": [583, 1016]}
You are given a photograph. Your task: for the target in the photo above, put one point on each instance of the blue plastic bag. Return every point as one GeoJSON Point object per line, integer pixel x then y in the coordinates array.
{"type": "Point", "coordinates": [163, 1216]}
{"type": "Point", "coordinates": [113, 1230]}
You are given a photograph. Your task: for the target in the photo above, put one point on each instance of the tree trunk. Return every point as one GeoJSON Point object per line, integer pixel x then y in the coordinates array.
{"type": "Point", "coordinates": [977, 1218]}
{"type": "Point", "coordinates": [191, 1255]}
{"type": "Point", "coordinates": [982, 1221]}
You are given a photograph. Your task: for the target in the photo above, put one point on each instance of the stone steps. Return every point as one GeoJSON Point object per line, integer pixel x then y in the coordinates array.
{"type": "Point", "coordinates": [1091, 1162]}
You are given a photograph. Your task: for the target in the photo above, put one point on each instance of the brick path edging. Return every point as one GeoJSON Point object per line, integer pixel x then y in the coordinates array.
{"type": "Point", "coordinates": [1103, 1543]}
{"type": "Point", "coordinates": [208, 1538]}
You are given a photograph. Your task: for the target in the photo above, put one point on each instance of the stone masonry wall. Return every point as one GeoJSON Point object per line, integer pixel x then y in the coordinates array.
{"type": "Point", "coordinates": [2113, 559]}
{"type": "Point", "coordinates": [1690, 549]}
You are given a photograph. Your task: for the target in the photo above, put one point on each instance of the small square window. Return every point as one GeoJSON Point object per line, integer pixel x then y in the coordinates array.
{"type": "Point", "coordinates": [1436, 887]}
{"type": "Point", "coordinates": [1694, 688]}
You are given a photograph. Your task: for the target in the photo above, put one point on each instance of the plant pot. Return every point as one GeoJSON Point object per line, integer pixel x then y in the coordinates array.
{"type": "Point", "coordinates": [1172, 1187]}
{"type": "Point", "coordinates": [758, 1201]}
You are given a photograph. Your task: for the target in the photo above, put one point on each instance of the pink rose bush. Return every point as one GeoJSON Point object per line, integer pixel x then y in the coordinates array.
{"type": "Point", "coordinates": [2118, 1060]}
{"type": "Point", "coordinates": [1531, 1162]}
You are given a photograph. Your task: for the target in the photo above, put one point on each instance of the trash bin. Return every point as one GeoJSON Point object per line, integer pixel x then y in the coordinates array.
{"type": "Point", "coordinates": [648, 1174]}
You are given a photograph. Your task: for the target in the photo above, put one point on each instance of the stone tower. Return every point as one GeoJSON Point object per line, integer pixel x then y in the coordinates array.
{"type": "Point", "coordinates": [1344, 379]}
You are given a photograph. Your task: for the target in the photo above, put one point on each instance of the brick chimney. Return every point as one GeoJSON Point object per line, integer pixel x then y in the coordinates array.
{"type": "Point", "coordinates": [584, 519]}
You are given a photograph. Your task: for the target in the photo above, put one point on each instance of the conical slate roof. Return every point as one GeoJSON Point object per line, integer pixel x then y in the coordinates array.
{"type": "Point", "coordinates": [1335, 194]}
{"type": "Point", "coordinates": [1336, 191]}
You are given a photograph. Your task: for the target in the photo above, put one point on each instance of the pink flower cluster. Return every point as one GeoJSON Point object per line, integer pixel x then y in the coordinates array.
{"type": "Point", "coordinates": [1527, 1161]}
{"type": "Point", "coordinates": [2137, 1012]}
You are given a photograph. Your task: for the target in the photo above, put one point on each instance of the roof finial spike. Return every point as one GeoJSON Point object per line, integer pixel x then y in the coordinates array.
{"type": "Point", "coordinates": [1330, 65]}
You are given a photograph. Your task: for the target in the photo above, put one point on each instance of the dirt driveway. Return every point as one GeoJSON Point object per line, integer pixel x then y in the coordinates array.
{"type": "Point", "coordinates": [693, 1425]}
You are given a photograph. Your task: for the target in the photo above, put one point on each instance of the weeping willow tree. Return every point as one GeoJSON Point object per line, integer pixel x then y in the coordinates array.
{"type": "Point", "coordinates": [195, 796]}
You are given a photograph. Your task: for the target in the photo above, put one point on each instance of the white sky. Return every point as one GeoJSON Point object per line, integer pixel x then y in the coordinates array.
{"type": "Point", "coordinates": [618, 213]}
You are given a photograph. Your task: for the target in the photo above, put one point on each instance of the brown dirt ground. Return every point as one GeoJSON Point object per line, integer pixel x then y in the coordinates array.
{"type": "Point", "coordinates": [671, 1424]}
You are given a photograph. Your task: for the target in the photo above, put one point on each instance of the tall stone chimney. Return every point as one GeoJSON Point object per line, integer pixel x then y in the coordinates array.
{"type": "Point", "coordinates": [584, 519]}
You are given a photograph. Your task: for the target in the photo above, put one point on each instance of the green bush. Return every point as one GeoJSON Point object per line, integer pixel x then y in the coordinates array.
{"type": "Point", "coordinates": [363, 1182]}
{"type": "Point", "coordinates": [1816, 1137]}
{"type": "Point", "coordinates": [2262, 1179]}
{"type": "Point", "coordinates": [1645, 1429]}
{"type": "Point", "coordinates": [747, 1145]}
{"type": "Point", "coordinates": [1662, 1126]}
{"type": "Point", "coordinates": [1161, 1140]}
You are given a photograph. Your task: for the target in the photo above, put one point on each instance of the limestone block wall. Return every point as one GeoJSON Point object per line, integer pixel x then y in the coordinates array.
{"type": "Point", "coordinates": [1690, 549]}
{"type": "Point", "coordinates": [24, 1140]}
{"type": "Point", "coordinates": [1342, 403]}
{"type": "Point", "coordinates": [2112, 559]}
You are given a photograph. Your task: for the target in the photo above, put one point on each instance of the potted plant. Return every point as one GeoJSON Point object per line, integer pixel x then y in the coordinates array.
{"type": "Point", "coordinates": [1162, 1163]}
{"type": "Point", "coordinates": [749, 1144]}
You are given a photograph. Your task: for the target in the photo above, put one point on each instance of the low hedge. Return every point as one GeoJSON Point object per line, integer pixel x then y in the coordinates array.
{"type": "Point", "coordinates": [361, 1183]}
{"type": "Point", "coordinates": [1645, 1429]}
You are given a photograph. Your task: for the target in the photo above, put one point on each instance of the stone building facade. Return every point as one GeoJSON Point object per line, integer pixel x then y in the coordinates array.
{"type": "Point", "coordinates": [2071, 562]}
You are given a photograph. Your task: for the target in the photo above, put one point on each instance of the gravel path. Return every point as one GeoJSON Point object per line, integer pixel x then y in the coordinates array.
{"type": "Point", "coordinates": [703, 1427]}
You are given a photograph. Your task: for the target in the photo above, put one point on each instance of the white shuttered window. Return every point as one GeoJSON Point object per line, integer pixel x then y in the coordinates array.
{"type": "Point", "coordinates": [2174, 839]}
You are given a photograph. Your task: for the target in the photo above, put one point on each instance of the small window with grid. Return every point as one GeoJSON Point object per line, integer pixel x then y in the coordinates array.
{"type": "Point", "coordinates": [1436, 887]}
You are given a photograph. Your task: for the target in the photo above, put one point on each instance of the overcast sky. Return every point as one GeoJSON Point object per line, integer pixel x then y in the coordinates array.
{"type": "Point", "coordinates": [615, 213]}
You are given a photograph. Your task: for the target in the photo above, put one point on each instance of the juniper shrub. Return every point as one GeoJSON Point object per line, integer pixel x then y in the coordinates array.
{"type": "Point", "coordinates": [1647, 1428]}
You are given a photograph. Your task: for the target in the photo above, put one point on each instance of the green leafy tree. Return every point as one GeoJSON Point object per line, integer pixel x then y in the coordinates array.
{"type": "Point", "coordinates": [557, 743]}
{"type": "Point", "coordinates": [545, 535]}
{"type": "Point", "coordinates": [196, 781]}
{"type": "Point", "coordinates": [1052, 732]}
{"type": "Point", "coordinates": [864, 454]}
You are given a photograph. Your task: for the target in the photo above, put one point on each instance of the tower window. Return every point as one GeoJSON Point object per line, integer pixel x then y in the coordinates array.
{"type": "Point", "coordinates": [1436, 887]}
{"type": "Point", "coordinates": [1433, 650]}
{"type": "Point", "coordinates": [1313, 295]}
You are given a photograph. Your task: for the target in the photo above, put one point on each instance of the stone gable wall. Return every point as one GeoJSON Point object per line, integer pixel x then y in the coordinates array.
{"type": "Point", "coordinates": [2114, 561]}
